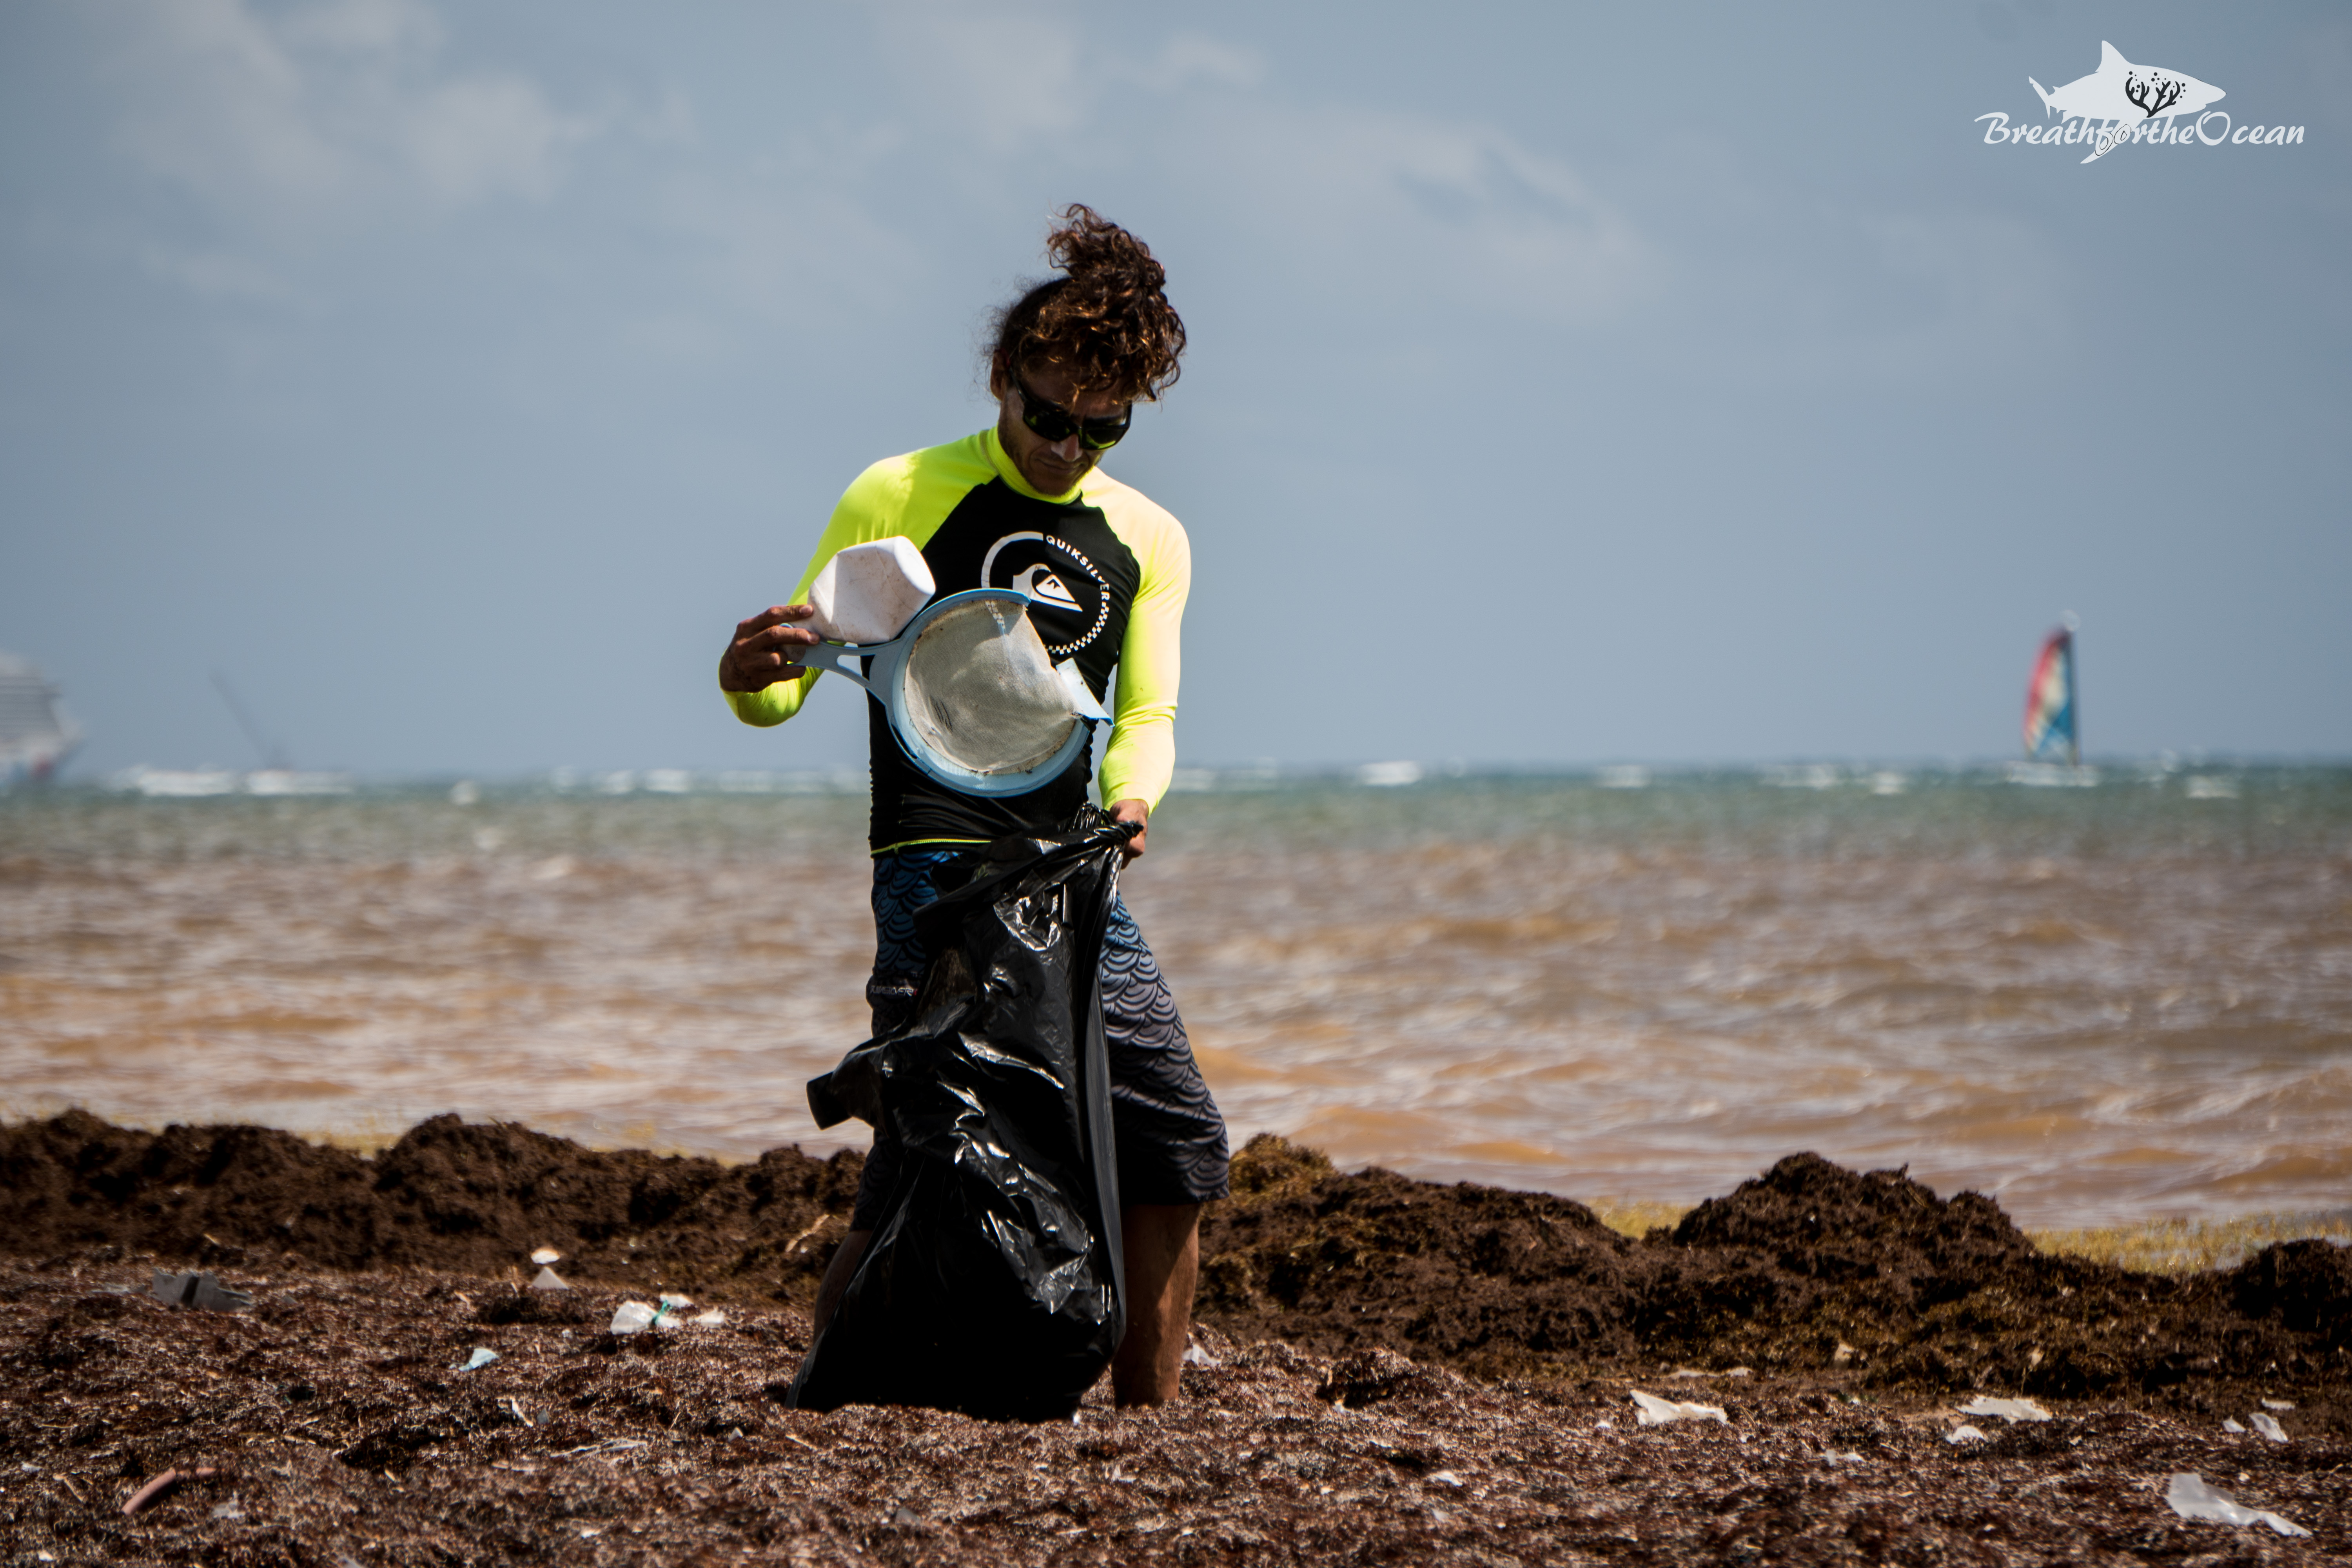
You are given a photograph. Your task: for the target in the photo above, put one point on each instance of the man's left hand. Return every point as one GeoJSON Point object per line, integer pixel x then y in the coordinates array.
{"type": "Point", "coordinates": [1137, 812]}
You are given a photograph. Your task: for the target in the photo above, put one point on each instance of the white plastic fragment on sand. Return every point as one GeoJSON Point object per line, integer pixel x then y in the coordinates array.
{"type": "Point", "coordinates": [2007, 1409]}
{"type": "Point", "coordinates": [545, 1256]}
{"type": "Point", "coordinates": [867, 592]}
{"type": "Point", "coordinates": [2191, 1498]}
{"type": "Point", "coordinates": [2230, 1424]}
{"type": "Point", "coordinates": [549, 1280]}
{"type": "Point", "coordinates": [1657, 1412]}
{"type": "Point", "coordinates": [2278, 1404]}
{"type": "Point", "coordinates": [2267, 1425]}
{"type": "Point", "coordinates": [1198, 1355]}
{"type": "Point", "coordinates": [1834, 1456]}
{"type": "Point", "coordinates": [1959, 1434]}
{"type": "Point", "coordinates": [483, 1355]}
{"type": "Point", "coordinates": [1444, 1479]}
{"type": "Point", "coordinates": [634, 1317]}
{"type": "Point", "coordinates": [713, 1318]}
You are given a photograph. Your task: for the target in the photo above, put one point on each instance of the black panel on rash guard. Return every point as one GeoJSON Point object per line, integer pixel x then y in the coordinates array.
{"type": "Point", "coordinates": [1080, 579]}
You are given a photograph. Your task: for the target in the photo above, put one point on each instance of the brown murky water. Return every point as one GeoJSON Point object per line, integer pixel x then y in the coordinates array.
{"type": "Point", "coordinates": [2098, 1004]}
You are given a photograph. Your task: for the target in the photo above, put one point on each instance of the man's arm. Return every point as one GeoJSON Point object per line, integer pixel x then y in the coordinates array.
{"type": "Point", "coordinates": [1142, 757]}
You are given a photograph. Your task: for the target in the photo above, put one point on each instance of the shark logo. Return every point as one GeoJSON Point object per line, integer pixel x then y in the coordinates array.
{"type": "Point", "coordinates": [2120, 91]}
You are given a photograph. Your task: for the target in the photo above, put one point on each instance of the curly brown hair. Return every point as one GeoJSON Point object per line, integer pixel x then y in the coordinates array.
{"type": "Point", "coordinates": [1106, 320]}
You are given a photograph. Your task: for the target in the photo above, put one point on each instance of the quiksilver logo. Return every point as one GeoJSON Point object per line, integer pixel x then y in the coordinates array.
{"type": "Point", "coordinates": [2121, 103]}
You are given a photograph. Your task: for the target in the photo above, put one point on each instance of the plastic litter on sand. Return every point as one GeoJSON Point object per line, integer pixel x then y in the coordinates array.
{"type": "Point", "coordinates": [1657, 1412]}
{"type": "Point", "coordinates": [2230, 1424]}
{"type": "Point", "coordinates": [546, 1255]}
{"type": "Point", "coordinates": [1959, 1434]}
{"type": "Point", "coordinates": [713, 1318]}
{"type": "Point", "coordinates": [2007, 1409]}
{"type": "Point", "coordinates": [549, 1280]}
{"type": "Point", "coordinates": [634, 1317]}
{"type": "Point", "coordinates": [202, 1291]}
{"type": "Point", "coordinates": [2191, 1498]}
{"type": "Point", "coordinates": [2278, 1404]}
{"type": "Point", "coordinates": [2267, 1425]}
{"type": "Point", "coordinates": [483, 1355]}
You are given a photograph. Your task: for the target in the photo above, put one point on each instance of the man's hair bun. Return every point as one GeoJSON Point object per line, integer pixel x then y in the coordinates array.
{"type": "Point", "coordinates": [1106, 320]}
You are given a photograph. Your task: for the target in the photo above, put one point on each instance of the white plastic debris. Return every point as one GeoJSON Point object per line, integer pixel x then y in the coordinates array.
{"type": "Point", "coordinates": [867, 592]}
{"type": "Point", "coordinates": [2278, 1404]}
{"type": "Point", "coordinates": [2230, 1424]}
{"type": "Point", "coordinates": [633, 1318]}
{"type": "Point", "coordinates": [1198, 1355]}
{"type": "Point", "coordinates": [1834, 1456]}
{"type": "Point", "coordinates": [2007, 1409]}
{"type": "Point", "coordinates": [713, 1318]}
{"type": "Point", "coordinates": [2267, 1425]}
{"type": "Point", "coordinates": [1444, 1479]}
{"type": "Point", "coordinates": [1959, 1434]}
{"type": "Point", "coordinates": [549, 1280]}
{"type": "Point", "coordinates": [2191, 1498]}
{"type": "Point", "coordinates": [1657, 1412]}
{"type": "Point", "coordinates": [545, 1256]}
{"type": "Point", "coordinates": [483, 1355]}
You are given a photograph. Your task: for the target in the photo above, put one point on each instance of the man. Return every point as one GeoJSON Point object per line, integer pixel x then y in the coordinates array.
{"type": "Point", "coordinates": [1023, 505]}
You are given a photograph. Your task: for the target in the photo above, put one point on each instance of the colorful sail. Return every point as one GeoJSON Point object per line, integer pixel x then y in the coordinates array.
{"type": "Point", "coordinates": [2052, 731]}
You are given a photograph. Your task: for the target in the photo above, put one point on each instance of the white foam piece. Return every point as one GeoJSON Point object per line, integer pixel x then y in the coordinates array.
{"type": "Point", "coordinates": [1657, 1412]}
{"type": "Point", "coordinates": [2268, 1426]}
{"type": "Point", "coordinates": [867, 592]}
{"type": "Point", "coordinates": [2191, 1498]}
{"type": "Point", "coordinates": [2007, 1409]}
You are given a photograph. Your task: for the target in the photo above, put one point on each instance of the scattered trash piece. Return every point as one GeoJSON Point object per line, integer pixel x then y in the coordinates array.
{"type": "Point", "coordinates": [2267, 1425]}
{"type": "Point", "coordinates": [1198, 1355]}
{"type": "Point", "coordinates": [1604, 1424]}
{"type": "Point", "coordinates": [713, 1318]}
{"type": "Point", "coordinates": [1959, 1434]}
{"type": "Point", "coordinates": [1834, 1456]}
{"type": "Point", "coordinates": [2191, 1498]}
{"type": "Point", "coordinates": [2278, 1404]}
{"type": "Point", "coordinates": [160, 1484]}
{"type": "Point", "coordinates": [546, 1255]}
{"type": "Point", "coordinates": [2230, 1424]}
{"type": "Point", "coordinates": [1843, 1353]}
{"type": "Point", "coordinates": [200, 1290]}
{"type": "Point", "coordinates": [549, 1280]}
{"type": "Point", "coordinates": [483, 1355]}
{"type": "Point", "coordinates": [515, 1405]}
{"type": "Point", "coordinates": [1442, 1478]}
{"type": "Point", "coordinates": [609, 1446]}
{"type": "Point", "coordinates": [2012, 1410]}
{"type": "Point", "coordinates": [232, 1508]}
{"type": "Point", "coordinates": [676, 1303]}
{"type": "Point", "coordinates": [1657, 1412]}
{"type": "Point", "coordinates": [635, 1317]}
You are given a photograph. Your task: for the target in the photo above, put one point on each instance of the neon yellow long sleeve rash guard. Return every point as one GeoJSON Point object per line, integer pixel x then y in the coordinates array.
{"type": "Point", "coordinates": [1107, 572]}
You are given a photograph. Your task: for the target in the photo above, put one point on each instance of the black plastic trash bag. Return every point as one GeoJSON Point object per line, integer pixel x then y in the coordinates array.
{"type": "Point", "coordinates": [994, 1283]}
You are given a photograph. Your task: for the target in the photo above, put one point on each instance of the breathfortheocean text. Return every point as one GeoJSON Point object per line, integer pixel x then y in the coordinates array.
{"type": "Point", "coordinates": [2212, 128]}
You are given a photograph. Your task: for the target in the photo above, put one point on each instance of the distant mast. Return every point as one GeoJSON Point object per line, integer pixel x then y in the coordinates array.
{"type": "Point", "coordinates": [2052, 722]}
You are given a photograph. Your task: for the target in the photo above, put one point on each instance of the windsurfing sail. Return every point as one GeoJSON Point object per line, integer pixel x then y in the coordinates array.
{"type": "Point", "coordinates": [36, 735]}
{"type": "Point", "coordinates": [2052, 726]}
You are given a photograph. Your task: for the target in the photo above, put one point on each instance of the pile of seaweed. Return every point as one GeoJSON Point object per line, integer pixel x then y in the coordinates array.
{"type": "Point", "coordinates": [1870, 1279]}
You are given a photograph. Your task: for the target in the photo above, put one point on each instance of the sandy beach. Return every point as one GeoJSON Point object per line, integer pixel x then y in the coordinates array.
{"type": "Point", "coordinates": [1387, 1370]}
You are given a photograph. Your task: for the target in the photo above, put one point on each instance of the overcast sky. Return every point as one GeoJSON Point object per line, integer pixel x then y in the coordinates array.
{"type": "Point", "coordinates": [1569, 383]}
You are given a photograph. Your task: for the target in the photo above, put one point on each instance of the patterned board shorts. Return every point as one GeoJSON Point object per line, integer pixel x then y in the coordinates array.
{"type": "Point", "coordinates": [1170, 1138]}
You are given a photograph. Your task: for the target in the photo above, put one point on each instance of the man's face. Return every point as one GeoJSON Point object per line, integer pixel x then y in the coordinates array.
{"type": "Point", "coordinates": [1051, 467]}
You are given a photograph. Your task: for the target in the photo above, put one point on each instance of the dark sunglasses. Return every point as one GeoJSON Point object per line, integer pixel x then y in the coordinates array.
{"type": "Point", "coordinates": [1056, 424]}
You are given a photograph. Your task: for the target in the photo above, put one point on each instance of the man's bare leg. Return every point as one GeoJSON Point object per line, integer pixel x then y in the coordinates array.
{"type": "Point", "coordinates": [1163, 1265]}
{"type": "Point", "coordinates": [845, 1258]}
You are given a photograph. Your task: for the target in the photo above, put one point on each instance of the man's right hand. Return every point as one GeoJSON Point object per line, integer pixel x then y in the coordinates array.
{"type": "Point", "coordinates": [760, 652]}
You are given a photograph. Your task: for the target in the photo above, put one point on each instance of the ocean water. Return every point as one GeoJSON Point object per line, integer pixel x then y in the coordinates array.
{"type": "Point", "coordinates": [2102, 1004]}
